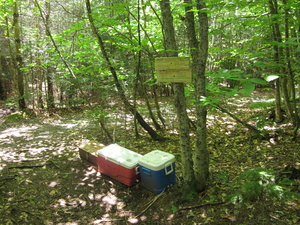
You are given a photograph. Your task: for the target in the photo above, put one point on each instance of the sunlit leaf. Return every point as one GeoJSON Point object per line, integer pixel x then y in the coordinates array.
{"type": "Point", "coordinates": [271, 78]}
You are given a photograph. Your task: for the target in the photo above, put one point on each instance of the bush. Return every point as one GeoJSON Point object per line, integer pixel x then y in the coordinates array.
{"type": "Point", "coordinates": [260, 184]}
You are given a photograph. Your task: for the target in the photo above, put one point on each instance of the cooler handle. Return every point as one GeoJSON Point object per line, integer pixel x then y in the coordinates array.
{"type": "Point", "coordinates": [137, 170]}
{"type": "Point", "coordinates": [166, 168]}
{"type": "Point", "coordinates": [146, 171]}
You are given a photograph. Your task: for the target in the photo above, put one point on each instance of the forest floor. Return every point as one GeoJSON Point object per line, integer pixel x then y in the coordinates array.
{"type": "Point", "coordinates": [44, 181]}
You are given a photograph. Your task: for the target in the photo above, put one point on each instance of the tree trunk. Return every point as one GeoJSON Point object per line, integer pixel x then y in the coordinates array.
{"type": "Point", "coordinates": [199, 57]}
{"type": "Point", "coordinates": [121, 92]}
{"type": "Point", "coordinates": [39, 70]}
{"type": "Point", "coordinates": [3, 75]}
{"type": "Point", "coordinates": [50, 94]}
{"type": "Point", "coordinates": [284, 67]}
{"type": "Point", "coordinates": [19, 60]}
{"type": "Point", "coordinates": [277, 38]}
{"type": "Point", "coordinates": [292, 91]}
{"type": "Point", "coordinates": [180, 103]}
{"type": "Point", "coordinates": [158, 111]}
{"type": "Point", "coordinates": [11, 68]}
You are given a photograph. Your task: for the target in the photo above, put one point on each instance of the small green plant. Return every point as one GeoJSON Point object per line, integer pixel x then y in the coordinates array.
{"type": "Point", "coordinates": [96, 114]}
{"type": "Point", "coordinates": [14, 117]}
{"type": "Point", "coordinates": [173, 209]}
{"type": "Point", "coordinates": [260, 184]}
{"type": "Point", "coordinates": [260, 122]}
{"type": "Point", "coordinates": [188, 195]}
{"type": "Point", "coordinates": [262, 105]}
{"type": "Point", "coordinates": [223, 176]}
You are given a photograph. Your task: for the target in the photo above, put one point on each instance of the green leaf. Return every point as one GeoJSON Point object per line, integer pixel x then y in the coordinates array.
{"type": "Point", "coordinates": [258, 81]}
{"type": "Point", "coordinates": [173, 209]}
{"type": "Point", "coordinates": [271, 77]}
{"type": "Point", "coordinates": [248, 88]}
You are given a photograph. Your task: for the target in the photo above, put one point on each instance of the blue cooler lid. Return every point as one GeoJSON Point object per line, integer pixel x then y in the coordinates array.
{"type": "Point", "coordinates": [119, 155]}
{"type": "Point", "coordinates": [157, 160]}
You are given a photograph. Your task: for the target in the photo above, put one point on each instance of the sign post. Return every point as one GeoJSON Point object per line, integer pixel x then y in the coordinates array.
{"type": "Point", "coordinates": [173, 69]}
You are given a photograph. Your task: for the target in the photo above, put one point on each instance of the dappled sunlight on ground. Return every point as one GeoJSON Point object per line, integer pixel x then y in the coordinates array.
{"type": "Point", "coordinates": [16, 132]}
{"type": "Point", "coordinates": [61, 183]}
{"type": "Point", "coordinates": [34, 142]}
{"type": "Point", "coordinates": [43, 179]}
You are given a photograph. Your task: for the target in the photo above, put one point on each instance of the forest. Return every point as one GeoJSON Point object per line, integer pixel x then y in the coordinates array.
{"type": "Point", "coordinates": [227, 109]}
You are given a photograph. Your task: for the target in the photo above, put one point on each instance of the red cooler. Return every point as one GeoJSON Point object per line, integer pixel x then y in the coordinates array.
{"type": "Point", "coordinates": [119, 163]}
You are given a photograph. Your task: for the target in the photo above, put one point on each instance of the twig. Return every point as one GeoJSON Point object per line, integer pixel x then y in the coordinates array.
{"type": "Point", "coordinates": [150, 204]}
{"type": "Point", "coordinates": [110, 220]}
{"type": "Point", "coordinates": [27, 166]}
{"type": "Point", "coordinates": [52, 163]}
{"type": "Point", "coordinates": [199, 206]}
{"type": "Point", "coordinates": [33, 166]}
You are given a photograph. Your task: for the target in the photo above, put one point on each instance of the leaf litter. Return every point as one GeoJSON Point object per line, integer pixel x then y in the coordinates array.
{"type": "Point", "coordinates": [44, 181]}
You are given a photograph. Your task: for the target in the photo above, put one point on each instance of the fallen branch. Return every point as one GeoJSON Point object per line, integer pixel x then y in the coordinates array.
{"type": "Point", "coordinates": [199, 206]}
{"type": "Point", "coordinates": [149, 204]}
{"type": "Point", "coordinates": [248, 126]}
{"type": "Point", "coordinates": [33, 166]}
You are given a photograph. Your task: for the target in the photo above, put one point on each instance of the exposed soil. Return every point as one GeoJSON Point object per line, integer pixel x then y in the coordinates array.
{"type": "Point", "coordinates": [44, 181]}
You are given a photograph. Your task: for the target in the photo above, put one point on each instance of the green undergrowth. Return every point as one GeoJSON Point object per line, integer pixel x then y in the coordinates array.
{"type": "Point", "coordinates": [262, 184]}
{"type": "Point", "coordinates": [262, 105]}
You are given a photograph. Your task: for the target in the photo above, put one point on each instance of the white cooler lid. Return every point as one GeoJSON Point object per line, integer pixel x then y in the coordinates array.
{"type": "Point", "coordinates": [156, 160]}
{"type": "Point", "coordinates": [120, 155]}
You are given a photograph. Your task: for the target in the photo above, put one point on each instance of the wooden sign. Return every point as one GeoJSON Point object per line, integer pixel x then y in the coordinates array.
{"type": "Point", "coordinates": [173, 69]}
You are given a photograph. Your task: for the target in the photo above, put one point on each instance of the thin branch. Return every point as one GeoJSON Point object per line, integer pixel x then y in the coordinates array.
{"type": "Point", "coordinates": [199, 206]}
{"type": "Point", "coordinates": [248, 126]}
{"type": "Point", "coordinates": [150, 204]}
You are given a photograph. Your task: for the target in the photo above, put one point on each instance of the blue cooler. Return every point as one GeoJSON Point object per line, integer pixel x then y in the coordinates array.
{"type": "Point", "coordinates": [157, 170]}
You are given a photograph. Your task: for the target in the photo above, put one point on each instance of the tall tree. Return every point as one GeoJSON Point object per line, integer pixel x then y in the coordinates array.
{"type": "Point", "coordinates": [180, 102]}
{"type": "Point", "coordinates": [283, 65]}
{"type": "Point", "coordinates": [50, 94]}
{"type": "Point", "coordinates": [19, 60]}
{"type": "Point", "coordinates": [199, 49]}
